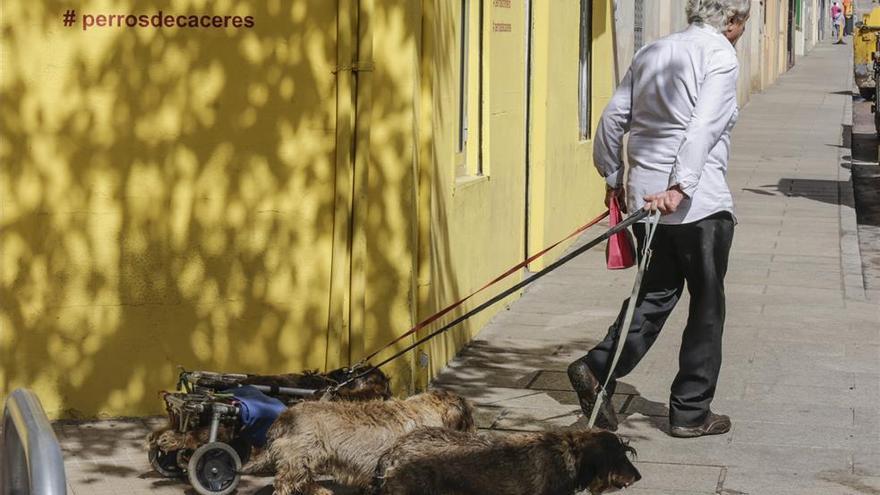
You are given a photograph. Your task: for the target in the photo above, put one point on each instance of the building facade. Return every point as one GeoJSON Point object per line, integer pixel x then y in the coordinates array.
{"type": "Point", "coordinates": [295, 194]}
{"type": "Point", "coordinates": [284, 197]}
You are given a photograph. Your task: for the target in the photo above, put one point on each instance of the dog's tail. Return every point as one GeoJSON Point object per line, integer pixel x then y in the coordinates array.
{"type": "Point", "coordinates": [468, 423]}
{"type": "Point", "coordinates": [263, 462]}
{"type": "Point", "coordinates": [457, 412]}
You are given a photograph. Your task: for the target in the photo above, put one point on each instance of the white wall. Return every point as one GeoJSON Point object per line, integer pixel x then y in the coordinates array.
{"type": "Point", "coordinates": [808, 34]}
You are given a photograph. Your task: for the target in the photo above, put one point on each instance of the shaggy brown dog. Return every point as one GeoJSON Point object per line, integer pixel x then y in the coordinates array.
{"type": "Point", "coordinates": [168, 439]}
{"type": "Point", "coordinates": [345, 439]}
{"type": "Point", "coordinates": [369, 386]}
{"type": "Point", "coordinates": [433, 461]}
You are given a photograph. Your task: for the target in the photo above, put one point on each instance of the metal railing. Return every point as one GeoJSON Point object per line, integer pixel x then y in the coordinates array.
{"type": "Point", "coordinates": [30, 457]}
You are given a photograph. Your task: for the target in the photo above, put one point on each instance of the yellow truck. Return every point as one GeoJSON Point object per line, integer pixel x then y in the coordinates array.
{"type": "Point", "coordinates": [864, 46]}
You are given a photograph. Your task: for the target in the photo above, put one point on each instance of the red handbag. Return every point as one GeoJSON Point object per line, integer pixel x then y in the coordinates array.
{"type": "Point", "coordinates": [620, 252]}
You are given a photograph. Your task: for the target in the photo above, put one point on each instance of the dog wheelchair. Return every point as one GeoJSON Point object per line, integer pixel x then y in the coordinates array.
{"type": "Point", "coordinates": [236, 410]}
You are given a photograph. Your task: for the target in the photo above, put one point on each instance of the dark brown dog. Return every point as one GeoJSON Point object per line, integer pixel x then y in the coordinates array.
{"type": "Point", "coordinates": [433, 461]}
{"type": "Point", "coordinates": [345, 439]}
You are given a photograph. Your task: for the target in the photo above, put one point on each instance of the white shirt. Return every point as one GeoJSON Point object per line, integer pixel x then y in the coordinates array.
{"type": "Point", "coordinates": [678, 102]}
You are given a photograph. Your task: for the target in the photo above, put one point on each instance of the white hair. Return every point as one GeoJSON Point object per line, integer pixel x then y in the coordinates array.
{"type": "Point", "coordinates": [717, 13]}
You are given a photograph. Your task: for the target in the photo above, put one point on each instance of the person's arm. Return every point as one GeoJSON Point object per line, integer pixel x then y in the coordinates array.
{"type": "Point", "coordinates": [715, 106]}
{"type": "Point", "coordinates": [613, 125]}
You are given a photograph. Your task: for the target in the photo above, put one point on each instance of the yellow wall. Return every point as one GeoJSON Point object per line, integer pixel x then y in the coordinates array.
{"type": "Point", "coordinates": [386, 207]}
{"type": "Point", "coordinates": [165, 200]}
{"type": "Point", "coordinates": [268, 199]}
{"type": "Point", "coordinates": [775, 40]}
{"type": "Point", "coordinates": [477, 223]}
{"type": "Point", "coordinates": [169, 198]}
{"type": "Point", "coordinates": [755, 31]}
{"type": "Point", "coordinates": [565, 186]}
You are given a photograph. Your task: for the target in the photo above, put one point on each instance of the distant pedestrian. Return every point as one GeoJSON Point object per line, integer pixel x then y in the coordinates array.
{"type": "Point", "coordinates": [837, 22]}
{"type": "Point", "coordinates": [848, 17]}
{"type": "Point", "coordinates": [678, 104]}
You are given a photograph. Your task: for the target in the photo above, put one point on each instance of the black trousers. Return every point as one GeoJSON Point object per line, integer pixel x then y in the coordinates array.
{"type": "Point", "coordinates": [695, 253]}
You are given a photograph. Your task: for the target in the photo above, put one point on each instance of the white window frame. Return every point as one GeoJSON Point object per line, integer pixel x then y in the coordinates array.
{"type": "Point", "coordinates": [585, 70]}
{"type": "Point", "coordinates": [468, 162]}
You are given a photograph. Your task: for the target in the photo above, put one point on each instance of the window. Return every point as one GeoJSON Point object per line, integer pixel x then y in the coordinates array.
{"type": "Point", "coordinates": [584, 72]}
{"type": "Point", "coordinates": [470, 94]}
{"type": "Point", "coordinates": [463, 76]}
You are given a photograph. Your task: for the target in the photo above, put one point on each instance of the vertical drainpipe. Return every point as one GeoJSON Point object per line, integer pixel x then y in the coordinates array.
{"type": "Point", "coordinates": [362, 76]}
{"type": "Point", "coordinates": [425, 158]}
{"type": "Point", "coordinates": [339, 317]}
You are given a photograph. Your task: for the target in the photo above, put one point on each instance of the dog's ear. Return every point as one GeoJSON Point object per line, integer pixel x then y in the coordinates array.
{"type": "Point", "coordinates": [624, 473]}
{"type": "Point", "coordinates": [603, 461]}
{"type": "Point", "coordinates": [382, 384]}
{"type": "Point", "coordinates": [386, 382]}
{"type": "Point", "coordinates": [589, 456]}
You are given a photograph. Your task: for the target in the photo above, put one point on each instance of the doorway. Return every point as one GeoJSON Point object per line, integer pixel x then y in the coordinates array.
{"type": "Point", "coordinates": [792, 25]}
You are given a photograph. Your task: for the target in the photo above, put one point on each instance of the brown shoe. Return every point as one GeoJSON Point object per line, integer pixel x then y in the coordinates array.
{"type": "Point", "coordinates": [715, 424]}
{"type": "Point", "coordinates": [587, 387]}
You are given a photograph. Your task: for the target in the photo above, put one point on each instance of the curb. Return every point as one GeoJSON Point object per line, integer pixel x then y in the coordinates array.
{"type": "Point", "coordinates": [850, 253]}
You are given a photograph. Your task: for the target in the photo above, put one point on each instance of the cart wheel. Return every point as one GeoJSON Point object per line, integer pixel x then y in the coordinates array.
{"type": "Point", "coordinates": [213, 469]}
{"type": "Point", "coordinates": [183, 456]}
{"type": "Point", "coordinates": [165, 463]}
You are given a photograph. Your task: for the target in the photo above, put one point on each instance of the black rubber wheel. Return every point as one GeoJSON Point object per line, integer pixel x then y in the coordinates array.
{"type": "Point", "coordinates": [214, 469]}
{"type": "Point", "coordinates": [164, 463]}
{"type": "Point", "coordinates": [183, 456]}
{"type": "Point", "coordinates": [867, 93]}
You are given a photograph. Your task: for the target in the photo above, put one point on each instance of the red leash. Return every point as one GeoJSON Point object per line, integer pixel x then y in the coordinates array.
{"type": "Point", "coordinates": [431, 319]}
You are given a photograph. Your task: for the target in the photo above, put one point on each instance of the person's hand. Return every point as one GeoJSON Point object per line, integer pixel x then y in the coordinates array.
{"type": "Point", "coordinates": [665, 202]}
{"type": "Point", "coordinates": [619, 194]}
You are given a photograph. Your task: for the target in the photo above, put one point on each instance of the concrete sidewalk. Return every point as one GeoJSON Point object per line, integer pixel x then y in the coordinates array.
{"type": "Point", "coordinates": [801, 377]}
{"type": "Point", "coordinates": [801, 371]}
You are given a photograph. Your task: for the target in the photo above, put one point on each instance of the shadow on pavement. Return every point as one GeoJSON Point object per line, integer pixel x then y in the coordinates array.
{"type": "Point", "coordinates": [527, 388]}
{"type": "Point", "coordinates": [823, 190]}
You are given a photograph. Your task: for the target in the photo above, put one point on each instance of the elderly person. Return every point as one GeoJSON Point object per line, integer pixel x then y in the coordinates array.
{"type": "Point", "coordinates": [678, 103]}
